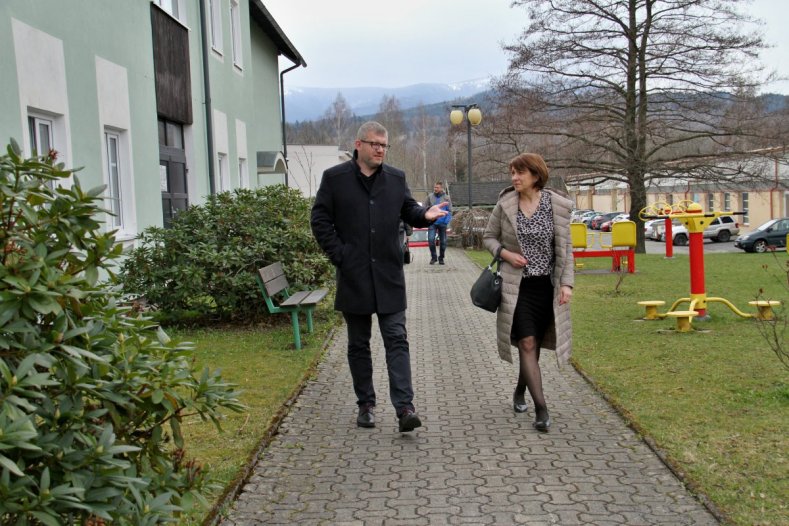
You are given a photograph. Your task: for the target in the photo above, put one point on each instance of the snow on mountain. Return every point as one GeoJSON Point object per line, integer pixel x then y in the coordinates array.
{"type": "Point", "coordinates": [303, 104]}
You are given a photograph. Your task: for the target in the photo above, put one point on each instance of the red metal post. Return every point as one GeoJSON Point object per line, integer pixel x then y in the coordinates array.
{"type": "Point", "coordinates": [697, 290]}
{"type": "Point", "coordinates": [669, 239]}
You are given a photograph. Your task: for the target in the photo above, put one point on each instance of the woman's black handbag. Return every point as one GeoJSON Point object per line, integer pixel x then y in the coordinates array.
{"type": "Point", "coordinates": [486, 291]}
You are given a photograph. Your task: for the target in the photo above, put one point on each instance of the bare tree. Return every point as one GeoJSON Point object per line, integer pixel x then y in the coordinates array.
{"type": "Point", "coordinates": [339, 116]}
{"type": "Point", "coordinates": [630, 90]}
{"type": "Point", "coordinates": [391, 116]}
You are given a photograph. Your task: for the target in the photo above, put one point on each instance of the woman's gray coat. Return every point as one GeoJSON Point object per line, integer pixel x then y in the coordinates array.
{"type": "Point", "coordinates": [500, 232]}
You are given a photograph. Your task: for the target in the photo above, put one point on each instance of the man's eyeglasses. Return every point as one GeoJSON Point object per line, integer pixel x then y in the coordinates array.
{"type": "Point", "coordinates": [377, 145]}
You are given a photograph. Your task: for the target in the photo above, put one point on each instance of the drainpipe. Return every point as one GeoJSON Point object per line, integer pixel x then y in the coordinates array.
{"type": "Point", "coordinates": [282, 102]}
{"type": "Point", "coordinates": [209, 121]}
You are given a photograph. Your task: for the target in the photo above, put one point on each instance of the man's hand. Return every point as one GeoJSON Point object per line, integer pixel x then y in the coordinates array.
{"type": "Point", "coordinates": [436, 211]}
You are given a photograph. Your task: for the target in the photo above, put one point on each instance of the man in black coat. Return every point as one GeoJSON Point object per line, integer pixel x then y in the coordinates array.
{"type": "Point", "coordinates": [356, 221]}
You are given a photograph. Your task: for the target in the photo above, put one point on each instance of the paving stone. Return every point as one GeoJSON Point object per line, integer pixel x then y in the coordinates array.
{"type": "Point", "coordinates": [474, 461]}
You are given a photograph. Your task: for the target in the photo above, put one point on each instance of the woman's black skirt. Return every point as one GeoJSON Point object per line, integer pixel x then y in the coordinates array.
{"type": "Point", "coordinates": [534, 310]}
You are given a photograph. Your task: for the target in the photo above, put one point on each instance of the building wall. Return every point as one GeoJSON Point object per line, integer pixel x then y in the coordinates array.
{"type": "Point", "coordinates": [84, 81]}
{"type": "Point", "coordinates": [88, 66]}
{"type": "Point", "coordinates": [762, 202]}
{"type": "Point", "coordinates": [307, 162]}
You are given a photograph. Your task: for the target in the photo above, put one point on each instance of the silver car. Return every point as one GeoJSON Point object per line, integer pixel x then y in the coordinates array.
{"type": "Point", "coordinates": [722, 229]}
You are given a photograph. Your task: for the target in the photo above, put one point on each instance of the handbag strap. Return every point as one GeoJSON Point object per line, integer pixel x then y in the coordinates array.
{"type": "Point", "coordinates": [496, 261]}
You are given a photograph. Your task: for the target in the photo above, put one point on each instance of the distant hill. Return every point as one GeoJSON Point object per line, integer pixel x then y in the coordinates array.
{"type": "Point", "coordinates": [302, 104]}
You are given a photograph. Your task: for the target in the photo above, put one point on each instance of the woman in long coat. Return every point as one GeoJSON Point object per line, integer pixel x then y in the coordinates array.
{"type": "Point", "coordinates": [530, 229]}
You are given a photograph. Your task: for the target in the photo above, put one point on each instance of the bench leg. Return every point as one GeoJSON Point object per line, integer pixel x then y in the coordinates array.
{"type": "Point", "coordinates": [294, 319]}
{"type": "Point", "coordinates": [309, 320]}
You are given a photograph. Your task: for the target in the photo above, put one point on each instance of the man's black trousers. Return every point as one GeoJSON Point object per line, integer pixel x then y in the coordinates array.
{"type": "Point", "coordinates": [398, 364]}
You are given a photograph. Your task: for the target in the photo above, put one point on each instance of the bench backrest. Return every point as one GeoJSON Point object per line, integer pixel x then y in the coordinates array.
{"type": "Point", "coordinates": [623, 234]}
{"type": "Point", "coordinates": [272, 280]}
{"type": "Point", "coordinates": [579, 235]}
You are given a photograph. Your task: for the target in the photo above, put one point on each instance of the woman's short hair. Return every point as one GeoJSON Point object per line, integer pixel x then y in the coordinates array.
{"type": "Point", "coordinates": [534, 163]}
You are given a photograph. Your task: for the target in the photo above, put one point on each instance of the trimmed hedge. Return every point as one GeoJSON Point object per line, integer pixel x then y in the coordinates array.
{"type": "Point", "coordinates": [202, 269]}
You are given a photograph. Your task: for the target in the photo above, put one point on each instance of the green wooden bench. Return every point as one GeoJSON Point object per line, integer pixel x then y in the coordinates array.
{"type": "Point", "coordinates": [272, 282]}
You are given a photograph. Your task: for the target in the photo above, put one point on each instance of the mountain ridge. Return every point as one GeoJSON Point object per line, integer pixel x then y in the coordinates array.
{"type": "Point", "coordinates": [305, 103]}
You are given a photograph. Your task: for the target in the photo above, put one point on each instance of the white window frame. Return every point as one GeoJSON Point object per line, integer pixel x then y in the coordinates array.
{"type": "Point", "coordinates": [243, 173]}
{"type": "Point", "coordinates": [726, 201]}
{"type": "Point", "coordinates": [114, 179]}
{"type": "Point", "coordinates": [34, 122]}
{"type": "Point", "coordinates": [745, 203]}
{"type": "Point", "coordinates": [174, 8]}
{"type": "Point", "coordinates": [710, 202]}
{"type": "Point", "coordinates": [215, 22]}
{"type": "Point", "coordinates": [224, 182]}
{"type": "Point", "coordinates": [235, 34]}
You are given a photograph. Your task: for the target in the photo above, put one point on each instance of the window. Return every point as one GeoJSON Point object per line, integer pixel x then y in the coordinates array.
{"type": "Point", "coordinates": [215, 12]}
{"type": "Point", "coordinates": [41, 140]}
{"type": "Point", "coordinates": [243, 175]}
{"type": "Point", "coordinates": [710, 202]}
{"type": "Point", "coordinates": [726, 201]}
{"type": "Point", "coordinates": [224, 183]}
{"type": "Point", "coordinates": [670, 199]}
{"type": "Point", "coordinates": [235, 33]}
{"type": "Point", "coordinates": [40, 135]}
{"type": "Point", "coordinates": [744, 201]}
{"type": "Point", "coordinates": [112, 145]}
{"type": "Point", "coordinates": [170, 6]}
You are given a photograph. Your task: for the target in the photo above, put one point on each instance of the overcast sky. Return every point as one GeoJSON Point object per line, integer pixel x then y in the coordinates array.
{"type": "Point", "coordinates": [355, 43]}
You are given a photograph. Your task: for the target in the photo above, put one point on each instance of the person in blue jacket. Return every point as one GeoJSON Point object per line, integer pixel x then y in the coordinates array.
{"type": "Point", "coordinates": [440, 225]}
{"type": "Point", "coordinates": [356, 221]}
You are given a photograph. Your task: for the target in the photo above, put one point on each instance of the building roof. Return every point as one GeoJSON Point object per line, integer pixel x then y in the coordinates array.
{"type": "Point", "coordinates": [486, 193]}
{"type": "Point", "coordinates": [269, 26]}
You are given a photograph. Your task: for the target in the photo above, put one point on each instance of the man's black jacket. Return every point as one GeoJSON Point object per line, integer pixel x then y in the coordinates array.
{"type": "Point", "coordinates": [359, 232]}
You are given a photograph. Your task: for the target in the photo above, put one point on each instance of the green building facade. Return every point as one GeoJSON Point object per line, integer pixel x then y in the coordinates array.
{"type": "Point", "coordinates": [164, 101]}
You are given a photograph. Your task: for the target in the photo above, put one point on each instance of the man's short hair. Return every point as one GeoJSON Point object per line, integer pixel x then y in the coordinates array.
{"type": "Point", "coordinates": [439, 183]}
{"type": "Point", "coordinates": [370, 128]}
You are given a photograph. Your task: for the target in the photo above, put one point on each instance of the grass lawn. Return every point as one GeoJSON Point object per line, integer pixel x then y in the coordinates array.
{"type": "Point", "coordinates": [264, 364]}
{"type": "Point", "coordinates": [715, 400]}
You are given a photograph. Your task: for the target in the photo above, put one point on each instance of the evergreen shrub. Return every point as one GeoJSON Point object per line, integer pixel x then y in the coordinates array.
{"type": "Point", "coordinates": [202, 269]}
{"type": "Point", "coordinates": [92, 394]}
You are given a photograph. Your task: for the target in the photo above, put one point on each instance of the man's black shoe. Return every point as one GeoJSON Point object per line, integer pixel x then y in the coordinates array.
{"type": "Point", "coordinates": [408, 421]}
{"type": "Point", "coordinates": [432, 261]}
{"type": "Point", "coordinates": [441, 261]}
{"type": "Point", "coordinates": [366, 416]}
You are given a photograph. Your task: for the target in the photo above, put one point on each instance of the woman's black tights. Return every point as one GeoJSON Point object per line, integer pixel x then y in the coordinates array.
{"type": "Point", "coordinates": [530, 376]}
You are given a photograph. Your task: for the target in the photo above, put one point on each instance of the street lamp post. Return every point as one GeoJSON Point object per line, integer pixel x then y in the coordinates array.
{"type": "Point", "coordinates": [473, 117]}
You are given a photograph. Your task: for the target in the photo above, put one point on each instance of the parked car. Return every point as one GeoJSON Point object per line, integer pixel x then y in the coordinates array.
{"type": "Point", "coordinates": [770, 234]}
{"type": "Point", "coordinates": [598, 221]}
{"type": "Point", "coordinates": [652, 229]}
{"type": "Point", "coordinates": [577, 216]}
{"type": "Point", "coordinates": [722, 229]}
{"type": "Point", "coordinates": [606, 227]}
{"type": "Point", "coordinates": [587, 219]}
{"type": "Point", "coordinates": [418, 238]}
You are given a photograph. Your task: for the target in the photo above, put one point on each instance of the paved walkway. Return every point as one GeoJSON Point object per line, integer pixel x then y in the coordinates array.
{"type": "Point", "coordinates": [474, 461]}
